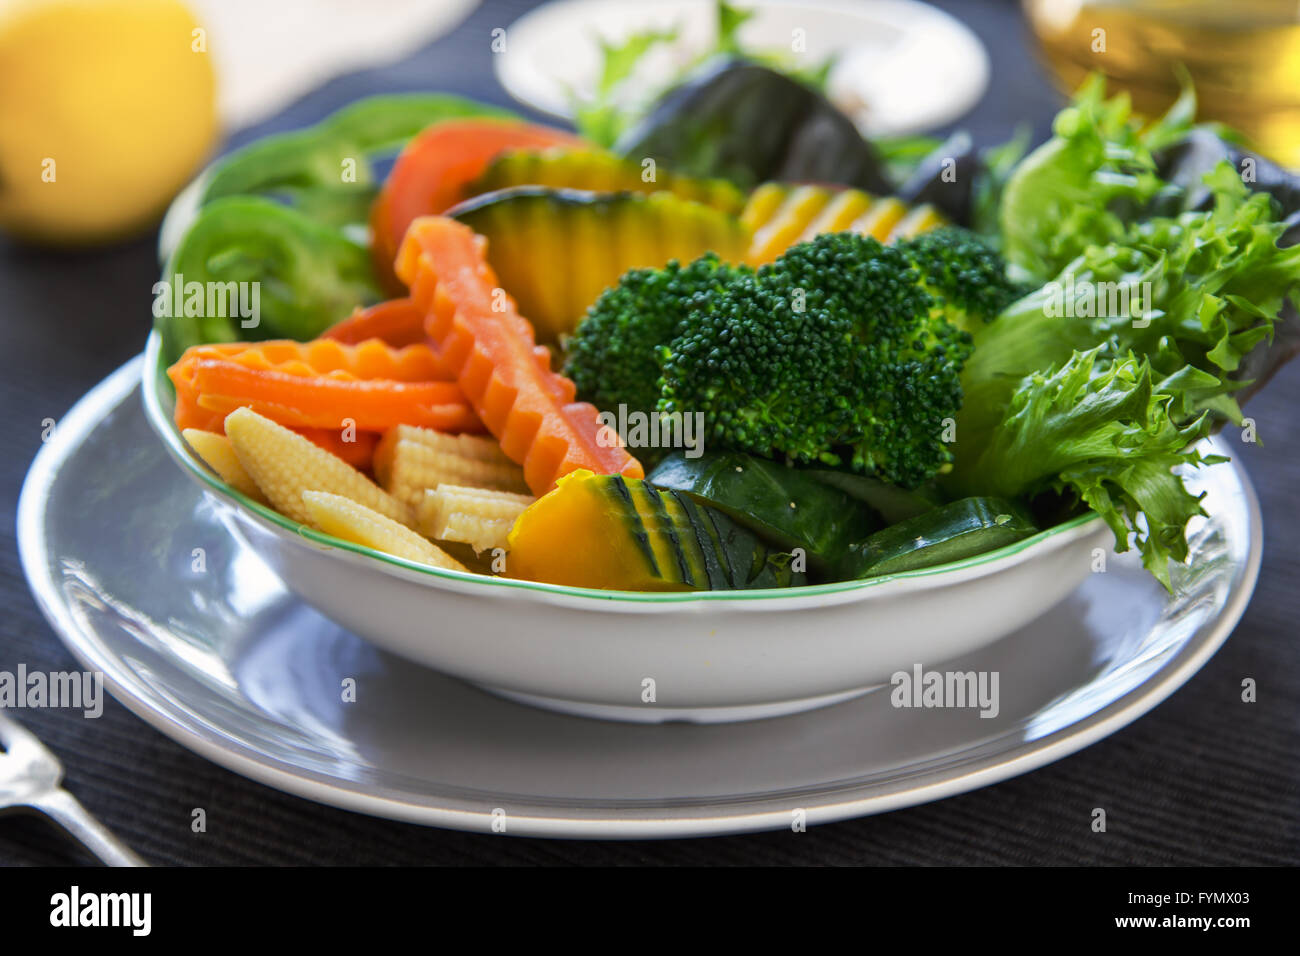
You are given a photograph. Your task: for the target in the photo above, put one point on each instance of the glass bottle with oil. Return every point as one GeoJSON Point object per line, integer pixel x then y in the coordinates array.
{"type": "Point", "coordinates": [1243, 55]}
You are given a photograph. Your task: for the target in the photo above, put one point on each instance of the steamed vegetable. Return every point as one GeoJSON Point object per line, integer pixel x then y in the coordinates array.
{"type": "Point", "coordinates": [350, 520]}
{"type": "Point", "coordinates": [842, 309]}
{"type": "Point", "coordinates": [285, 212]}
{"type": "Point", "coordinates": [396, 322]}
{"type": "Point", "coordinates": [835, 353]}
{"type": "Point", "coordinates": [595, 171]}
{"type": "Point", "coordinates": [614, 358]}
{"type": "Point", "coordinates": [218, 454]}
{"type": "Point", "coordinates": [479, 517]}
{"type": "Point", "coordinates": [608, 531]}
{"type": "Point", "coordinates": [952, 532]}
{"type": "Point", "coordinates": [751, 124]}
{"type": "Point", "coordinates": [326, 171]}
{"type": "Point", "coordinates": [784, 506]}
{"type": "Point", "coordinates": [892, 503]}
{"type": "Point", "coordinates": [556, 250]}
{"type": "Point", "coordinates": [284, 465]}
{"type": "Point", "coordinates": [306, 275]}
{"type": "Point", "coordinates": [967, 279]}
{"type": "Point", "coordinates": [781, 216]}
{"type": "Point", "coordinates": [433, 170]}
{"type": "Point", "coordinates": [503, 372]}
{"type": "Point", "coordinates": [849, 360]}
{"type": "Point", "coordinates": [327, 401]}
{"type": "Point", "coordinates": [339, 397]}
{"type": "Point", "coordinates": [843, 351]}
{"type": "Point", "coordinates": [621, 96]}
{"type": "Point", "coordinates": [322, 384]}
{"type": "Point", "coordinates": [410, 461]}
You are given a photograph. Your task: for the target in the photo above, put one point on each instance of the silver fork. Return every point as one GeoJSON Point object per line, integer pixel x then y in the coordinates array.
{"type": "Point", "coordinates": [30, 776]}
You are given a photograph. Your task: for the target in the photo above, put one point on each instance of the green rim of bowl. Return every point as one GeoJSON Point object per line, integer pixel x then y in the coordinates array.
{"type": "Point", "coordinates": [159, 393]}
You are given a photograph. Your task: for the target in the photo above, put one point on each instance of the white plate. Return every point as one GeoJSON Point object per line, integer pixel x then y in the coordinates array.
{"type": "Point", "coordinates": [903, 67]}
{"type": "Point", "coordinates": [227, 662]}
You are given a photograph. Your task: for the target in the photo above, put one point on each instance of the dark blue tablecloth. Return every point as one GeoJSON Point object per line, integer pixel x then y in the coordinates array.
{"type": "Point", "coordinates": [1203, 779]}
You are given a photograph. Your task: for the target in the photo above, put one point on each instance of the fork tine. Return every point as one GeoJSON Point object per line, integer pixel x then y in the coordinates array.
{"type": "Point", "coordinates": [14, 734]}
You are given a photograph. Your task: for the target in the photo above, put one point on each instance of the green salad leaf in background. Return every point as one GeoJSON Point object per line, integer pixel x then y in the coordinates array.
{"type": "Point", "coordinates": [289, 212]}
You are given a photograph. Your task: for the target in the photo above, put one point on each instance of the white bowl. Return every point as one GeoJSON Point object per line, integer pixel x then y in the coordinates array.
{"type": "Point", "coordinates": [710, 656]}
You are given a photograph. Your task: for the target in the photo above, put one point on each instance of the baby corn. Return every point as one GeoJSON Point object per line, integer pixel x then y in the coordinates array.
{"type": "Point", "coordinates": [284, 465]}
{"type": "Point", "coordinates": [217, 454]}
{"type": "Point", "coordinates": [479, 517]}
{"type": "Point", "coordinates": [408, 461]}
{"type": "Point", "coordinates": [346, 519]}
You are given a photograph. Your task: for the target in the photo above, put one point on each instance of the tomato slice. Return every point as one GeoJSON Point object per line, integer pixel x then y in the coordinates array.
{"type": "Point", "coordinates": [433, 170]}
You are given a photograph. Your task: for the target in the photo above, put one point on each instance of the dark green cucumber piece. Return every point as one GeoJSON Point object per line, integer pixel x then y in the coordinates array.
{"type": "Point", "coordinates": [892, 503]}
{"type": "Point", "coordinates": [785, 506]}
{"type": "Point", "coordinates": [950, 532]}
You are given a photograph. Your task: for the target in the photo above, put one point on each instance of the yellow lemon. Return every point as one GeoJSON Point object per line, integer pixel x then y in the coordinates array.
{"type": "Point", "coordinates": [107, 107]}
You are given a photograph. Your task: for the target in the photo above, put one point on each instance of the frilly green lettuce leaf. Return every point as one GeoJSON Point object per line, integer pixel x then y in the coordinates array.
{"type": "Point", "coordinates": [1204, 290]}
{"type": "Point", "coordinates": [1101, 427]}
{"type": "Point", "coordinates": [1082, 186]}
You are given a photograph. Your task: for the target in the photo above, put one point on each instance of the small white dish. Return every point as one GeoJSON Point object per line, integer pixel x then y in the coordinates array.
{"type": "Point", "coordinates": [903, 67]}
{"type": "Point", "coordinates": [700, 656]}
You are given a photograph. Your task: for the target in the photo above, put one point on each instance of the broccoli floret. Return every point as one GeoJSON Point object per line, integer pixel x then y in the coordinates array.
{"type": "Point", "coordinates": [834, 353]}
{"type": "Point", "coordinates": [964, 273]}
{"type": "Point", "coordinates": [612, 357]}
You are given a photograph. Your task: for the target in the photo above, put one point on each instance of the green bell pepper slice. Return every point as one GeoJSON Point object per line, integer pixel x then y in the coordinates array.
{"type": "Point", "coordinates": [301, 276]}
{"type": "Point", "coordinates": [326, 170]}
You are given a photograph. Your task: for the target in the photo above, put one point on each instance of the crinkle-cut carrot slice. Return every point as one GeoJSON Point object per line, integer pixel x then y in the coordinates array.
{"type": "Point", "coordinates": [397, 322]}
{"type": "Point", "coordinates": [329, 401]}
{"type": "Point", "coordinates": [369, 359]}
{"type": "Point", "coordinates": [189, 414]}
{"type": "Point", "coordinates": [372, 358]}
{"type": "Point", "coordinates": [319, 384]}
{"type": "Point", "coordinates": [482, 337]}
